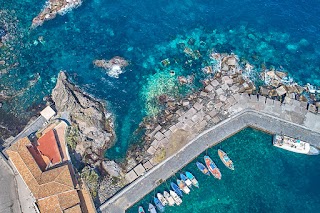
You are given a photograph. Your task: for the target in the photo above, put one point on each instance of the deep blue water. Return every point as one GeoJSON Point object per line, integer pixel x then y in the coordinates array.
{"type": "Point", "coordinates": [280, 33]}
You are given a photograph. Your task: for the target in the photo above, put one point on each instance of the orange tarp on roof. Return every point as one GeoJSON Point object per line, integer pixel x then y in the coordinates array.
{"type": "Point", "coordinates": [48, 146]}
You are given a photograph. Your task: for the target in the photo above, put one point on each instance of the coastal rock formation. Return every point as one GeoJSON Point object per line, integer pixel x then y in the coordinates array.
{"type": "Point", "coordinates": [54, 7]}
{"type": "Point", "coordinates": [114, 66]}
{"type": "Point", "coordinates": [92, 126]}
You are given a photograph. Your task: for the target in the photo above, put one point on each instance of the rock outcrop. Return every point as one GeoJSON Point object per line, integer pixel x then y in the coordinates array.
{"type": "Point", "coordinates": [91, 125]}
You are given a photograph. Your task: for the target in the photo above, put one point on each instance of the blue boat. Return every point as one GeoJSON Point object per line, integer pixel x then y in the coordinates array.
{"type": "Point", "coordinates": [193, 179]}
{"type": "Point", "coordinates": [151, 208]}
{"type": "Point", "coordinates": [141, 210]}
{"type": "Point", "coordinates": [185, 179]}
{"type": "Point", "coordinates": [176, 189]}
{"type": "Point", "coordinates": [159, 206]}
{"type": "Point", "coordinates": [203, 168]}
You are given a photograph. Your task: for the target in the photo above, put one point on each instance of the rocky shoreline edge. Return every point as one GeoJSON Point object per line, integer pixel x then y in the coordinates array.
{"type": "Point", "coordinates": [91, 131]}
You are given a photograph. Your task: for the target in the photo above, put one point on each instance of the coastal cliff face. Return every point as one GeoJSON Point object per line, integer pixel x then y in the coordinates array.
{"type": "Point", "coordinates": [91, 129]}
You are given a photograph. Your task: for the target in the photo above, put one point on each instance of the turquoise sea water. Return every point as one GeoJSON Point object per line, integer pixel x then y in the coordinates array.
{"type": "Point", "coordinates": [279, 33]}
{"type": "Point", "coordinates": [265, 179]}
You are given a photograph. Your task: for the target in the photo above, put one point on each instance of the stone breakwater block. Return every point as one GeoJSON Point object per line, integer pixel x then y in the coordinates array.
{"type": "Point", "coordinates": [159, 136]}
{"type": "Point", "coordinates": [154, 131]}
{"type": "Point", "coordinates": [211, 96]}
{"type": "Point", "coordinates": [173, 128]}
{"type": "Point", "coordinates": [208, 88]}
{"type": "Point", "coordinates": [312, 108]}
{"type": "Point", "coordinates": [185, 103]}
{"type": "Point", "coordinates": [164, 142]}
{"type": "Point", "coordinates": [213, 113]}
{"type": "Point", "coordinates": [303, 104]}
{"type": "Point", "coordinates": [231, 100]}
{"type": "Point", "coordinates": [147, 166]}
{"type": "Point", "coordinates": [155, 144]}
{"type": "Point", "coordinates": [198, 106]}
{"type": "Point", "coordinates": [222, 98]}
{"type": "Point", "coordinates": [151, 150]}
{"type": "Point", "coordinates": [190, 112]}
{"type": "Point", "coordinates": [216, 120]}
{"type": "Point", "coordinates": [218, 105]}
{"type": "Point", "coordinates": [139, 170]}
{"type": "Point", "coordinates": [131, 176]}
{"type": "Point", "coordinates": [214, 83]}
{"type": "Point", "coordinates": [234, 88]}
{"type": "Point", "coordinates": [225, 87]}
{"type": "Point", "coordinates": [197, 117]}
{"type": "Point", "coordinates": [167, 134]}
{"type": "Point", "coordinates": [219, 91]}
{"type": "Point", "coordinates": [237, 96]}
{"type": "Point", "coordinates": [203, 94]}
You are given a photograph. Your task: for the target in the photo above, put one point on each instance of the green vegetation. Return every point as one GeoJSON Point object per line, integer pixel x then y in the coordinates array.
{"type": "Point", "coordinates": [91, 177]}
{"type": "Point", "coordinates": [72, 136]}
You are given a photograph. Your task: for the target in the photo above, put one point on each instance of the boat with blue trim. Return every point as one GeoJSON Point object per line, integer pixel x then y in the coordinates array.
{"type": "Point", "coordinates": [203, 168]}
{"type": "Point", "coordinates": [193, 180]}
{"type": "Point", "coordinates": [212, 167]}
{"type": "Point", "coordinates": [176, 188]}
{"type": "Point", "coordinates": [159, 206]}
{"type": "Point", "coordinates": [151, 208]}
{"type": "Point", "coordinates": [225, 159]}
{"type": "Point", "coordinates": [183, 186]}
{"type": "Point", "coordinates": [141, 210]}
{"type": "Point", "coordinates": [186, 179]}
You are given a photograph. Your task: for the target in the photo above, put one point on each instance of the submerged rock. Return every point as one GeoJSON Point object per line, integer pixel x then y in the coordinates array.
{"type": "Point", "coordinates": [3, 32]}
{"type": "Point", "coordinates": [89, 116]}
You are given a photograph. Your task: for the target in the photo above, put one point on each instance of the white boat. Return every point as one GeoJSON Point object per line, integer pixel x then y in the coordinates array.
{"type": "Point", "coordinates": [162, 200]}
{"type": "Point", "coordinates": [168, 197]}
{"type": "Point", "coordinates": [183, 186]}
{"type": "Point", "coordinates": [175, 197]}
{"type": "Point", "coordinates": [294, 145]}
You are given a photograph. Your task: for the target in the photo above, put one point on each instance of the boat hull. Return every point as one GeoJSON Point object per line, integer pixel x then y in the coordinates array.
{"type": "Point", "coordinates": [212, 167]}
{"type": "Point", "coordinates": [141, 210]}
{"type": "Point", "coordinates": [176, 188]}
{"type": "Point", "coordinates": [182, 185]}
{"type": "Point", "coordinates": [203, 169]}
{"type": "Point", "coordinates": [158, 204]}
{"type": "Point", "coordinates": [194, 181]}
{"type": "Point", "coordinates": [169, 198]}
{"type": "Point", "coordinates": [225, 159]}
{"type": "Point", "coordinates": [175, 197]}
{"type": "Point", "coordinates": [152, 209]}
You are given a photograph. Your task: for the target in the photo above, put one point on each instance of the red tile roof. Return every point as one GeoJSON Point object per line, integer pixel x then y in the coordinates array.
{"type": "Point", "coordinates": [48, 147]}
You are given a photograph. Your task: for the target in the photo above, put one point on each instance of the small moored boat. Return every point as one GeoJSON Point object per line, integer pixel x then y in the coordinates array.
{"type": "Point", "coordinates": [141, 210]}
{"type": "Point", "coordinates": [169, 198]}
{"type": "Point", "coordinates": [186, 179]}
{"type": "Point", "coordinates": [212, 167]}
{"type": "Point", "coordinates": [183, 186]}
{"type": "Point", "coordinates": [194, 181]}
{"type": "Point", "coordinates": [202, 168]}
{"type": "Point", "coordinates": [175, 197]}
{"type": "Point", "coordinates": [159, 206]}
{"type": "Point", "coordinates": [176, 188]}
{"type": "Point", "coordinates": [225, 159]}
{"type": "Point", "coordinates": [151, 208]}
{"type": "Point", "coordinates": [163, 201]}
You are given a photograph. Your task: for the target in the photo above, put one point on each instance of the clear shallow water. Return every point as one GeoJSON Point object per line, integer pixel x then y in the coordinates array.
{"type": "Point", "coordinates": [265, 179]}
{"type": "Point", "coordinates": [145, 32]}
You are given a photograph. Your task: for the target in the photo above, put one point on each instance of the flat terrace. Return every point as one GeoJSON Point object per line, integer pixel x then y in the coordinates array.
{"type": "Point", "coordinates": [265, 114]}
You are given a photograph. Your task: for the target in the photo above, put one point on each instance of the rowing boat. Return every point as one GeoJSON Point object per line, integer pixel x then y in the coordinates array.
{"type": "Point", "coordinates": [151, 208]}
{"type": "Point", "coordinates": [176, 188]}
{"type": "Point", "coordinates": [168, 198]}
{"type": "Point", "coordinates": [141, 210]}
{"type": "Point", "coordinates": [175, 197]}
{"type": "Point", "coordinates": [202, 168]}
{"type": "Point", "coordinates": [225, 159]}
{"type": "Point", "coordinates": [159, 206]}
{"type": "Point", "coordinates": [186, 179]}
{"type": "Point", "coordinates": [183, 186]}
{"type": "Point", "coordinates": [212, 167]}
{"type": "Point", "coordinates": [193, 180]}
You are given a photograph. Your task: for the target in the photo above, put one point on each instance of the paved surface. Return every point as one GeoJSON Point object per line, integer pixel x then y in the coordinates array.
{"type": "Point", "coordinates": [31, 128]}
{"type": "Point", "coordinates": [9, 201]}
{"type": "Point", "coordinates": [247, 117]}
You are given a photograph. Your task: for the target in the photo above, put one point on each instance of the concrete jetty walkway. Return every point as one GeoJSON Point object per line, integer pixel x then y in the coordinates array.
{"type": "Point", "coordinates": [290, 119]}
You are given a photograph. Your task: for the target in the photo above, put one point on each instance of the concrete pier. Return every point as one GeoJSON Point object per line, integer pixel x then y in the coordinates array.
{"type": "Point", "coordinates": [292, 119]}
